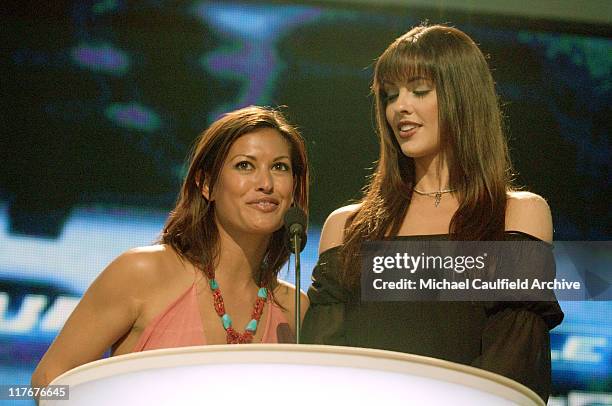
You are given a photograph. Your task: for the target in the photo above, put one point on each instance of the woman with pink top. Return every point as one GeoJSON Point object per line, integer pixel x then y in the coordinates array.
{"type": "Point", "coordinates": [212, 279]}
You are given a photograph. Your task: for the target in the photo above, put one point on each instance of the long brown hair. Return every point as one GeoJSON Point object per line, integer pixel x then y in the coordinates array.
{"type": "Point", "coordinates": [191, 228]}
{"type": "Point", "coordinates": [471, 140]}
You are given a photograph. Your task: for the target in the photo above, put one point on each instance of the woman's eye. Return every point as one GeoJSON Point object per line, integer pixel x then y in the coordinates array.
{"type": "Point", "coordinates": [243, 165]}
{"type": "Point", "coordinates": [421, 93]}
{"type": "Point", "coordinates": [389, 97]}
{"type": "Point", "coordinates": [281, 166]}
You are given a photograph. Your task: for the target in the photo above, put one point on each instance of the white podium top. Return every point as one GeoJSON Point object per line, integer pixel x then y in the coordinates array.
{"type": "Point", "coordinates": [285, 374]}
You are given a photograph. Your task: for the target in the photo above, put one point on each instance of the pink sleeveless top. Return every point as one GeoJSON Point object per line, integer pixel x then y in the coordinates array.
{"type": "Point", "coordinates": [180, 325]}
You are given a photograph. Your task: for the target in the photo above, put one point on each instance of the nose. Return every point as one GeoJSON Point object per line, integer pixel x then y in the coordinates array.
{"type": "Point", "coordinates": [403, 102]}
{"type": "Point", "coordinates": [265, 182]}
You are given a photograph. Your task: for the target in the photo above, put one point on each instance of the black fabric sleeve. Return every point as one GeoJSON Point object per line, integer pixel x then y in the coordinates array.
{"type": "Point", "coordinates": [515, 340]}
{"type": "Point", "coordinates": [324, 320]}
{"type": "Point", "coordinates": [516, 343]}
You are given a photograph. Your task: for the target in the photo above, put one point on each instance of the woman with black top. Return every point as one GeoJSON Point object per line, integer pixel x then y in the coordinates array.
{"type": "Point", "coordinates": [443, 173]}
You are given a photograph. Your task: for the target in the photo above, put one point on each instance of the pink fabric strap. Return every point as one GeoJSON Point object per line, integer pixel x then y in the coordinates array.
{"type": "Point", "coordinates": [180, 325]}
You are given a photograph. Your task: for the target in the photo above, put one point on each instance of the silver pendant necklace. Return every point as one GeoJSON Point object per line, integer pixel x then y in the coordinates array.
{"type": "Point", "coordinates": [437, 194]}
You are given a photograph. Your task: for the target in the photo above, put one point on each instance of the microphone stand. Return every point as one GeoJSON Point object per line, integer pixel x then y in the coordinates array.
{"type": "Point", "coordinates": [297, 243]}
{"type": "Point", "coordinates": [295, 221]}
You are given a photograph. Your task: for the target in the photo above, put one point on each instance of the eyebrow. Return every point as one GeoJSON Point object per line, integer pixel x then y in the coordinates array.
{"type": "Point", "coordinates": [255, 158]}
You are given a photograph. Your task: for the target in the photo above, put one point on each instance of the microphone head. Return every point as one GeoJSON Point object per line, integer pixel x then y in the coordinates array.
{"type": "Point", "coordinates": [295, 224]}
{"type": "Point", "coordinates": [295, 215]}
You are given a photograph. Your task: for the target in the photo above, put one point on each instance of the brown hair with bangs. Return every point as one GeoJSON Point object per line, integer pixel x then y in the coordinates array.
{"type": "Point", "coordinates": [191, 228]}
{"type": "Point", "coordinates": [471, 137]}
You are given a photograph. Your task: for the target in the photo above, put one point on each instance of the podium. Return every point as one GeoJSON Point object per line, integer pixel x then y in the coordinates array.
{"type": "Point", "coordinates": [284, 374]}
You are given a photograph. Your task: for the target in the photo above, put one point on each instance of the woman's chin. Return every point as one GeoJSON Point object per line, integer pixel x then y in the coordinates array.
{"type": "Point", "coordinates": [264, 229]}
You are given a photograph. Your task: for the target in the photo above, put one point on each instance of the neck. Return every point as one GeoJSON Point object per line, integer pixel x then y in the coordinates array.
{"type": "Point", "coordinates": [240, 258]}
{"type": "Point", "coordinates": [431, 174]}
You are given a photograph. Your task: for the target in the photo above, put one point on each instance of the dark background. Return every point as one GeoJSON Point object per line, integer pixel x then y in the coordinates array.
{"type": "Point", "coordinates": [60, 149]}
{"type": "Point", "coordinates": [101, 101]}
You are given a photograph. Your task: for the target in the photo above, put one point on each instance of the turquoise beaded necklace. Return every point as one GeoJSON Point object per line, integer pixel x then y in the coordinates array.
{"type": "Point", "coordinates": [233, 336]}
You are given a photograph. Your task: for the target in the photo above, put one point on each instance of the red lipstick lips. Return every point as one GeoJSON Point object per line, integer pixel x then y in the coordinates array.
{"type": "Point", "coordinates": [407, 128]}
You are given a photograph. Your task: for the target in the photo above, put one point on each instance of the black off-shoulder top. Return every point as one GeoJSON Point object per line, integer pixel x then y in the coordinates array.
{"type": "Point", "coordinates": [508, 338]}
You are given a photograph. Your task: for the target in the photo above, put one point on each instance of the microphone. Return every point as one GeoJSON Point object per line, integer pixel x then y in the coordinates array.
{"type": "Point", "coordinates": [295, 224]}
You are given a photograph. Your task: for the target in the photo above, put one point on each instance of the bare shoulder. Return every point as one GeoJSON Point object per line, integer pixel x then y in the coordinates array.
{"type": "Point", "coordinates": [133, 280]}
{"type": "Point", "coordinates": [140, 268]}
{"type": "Point", "coordinates": [139, 262]}
{"type": "Point", "coordinates": [332, 234]}
{"type": "Point", "coordinates": [284, 293]}
{"type": "Point", "coordinates": [529, 213]}
{"type": "Point", "coordinates": [107, 311]}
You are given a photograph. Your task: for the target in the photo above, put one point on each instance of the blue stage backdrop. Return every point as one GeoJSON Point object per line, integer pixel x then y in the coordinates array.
{"type": "Point", "coordinates": [102, 100]}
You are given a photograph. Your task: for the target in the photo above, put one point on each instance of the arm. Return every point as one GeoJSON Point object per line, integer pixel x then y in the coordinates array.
{"type": "Point", "coordinates": [529, 213]}
{"type": "Point", "coordinates": [515, 340]}
{"type": "Point", "coordinates": [516, 344]}
{"type": "Point", "coordinates": [285, 295]}
{"type": "Point", "coordinates": [324, 321]}
{"type": "Point", "coordinates": [332, 234]}
{"type": "Point", "coordinates": [107, 311]}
